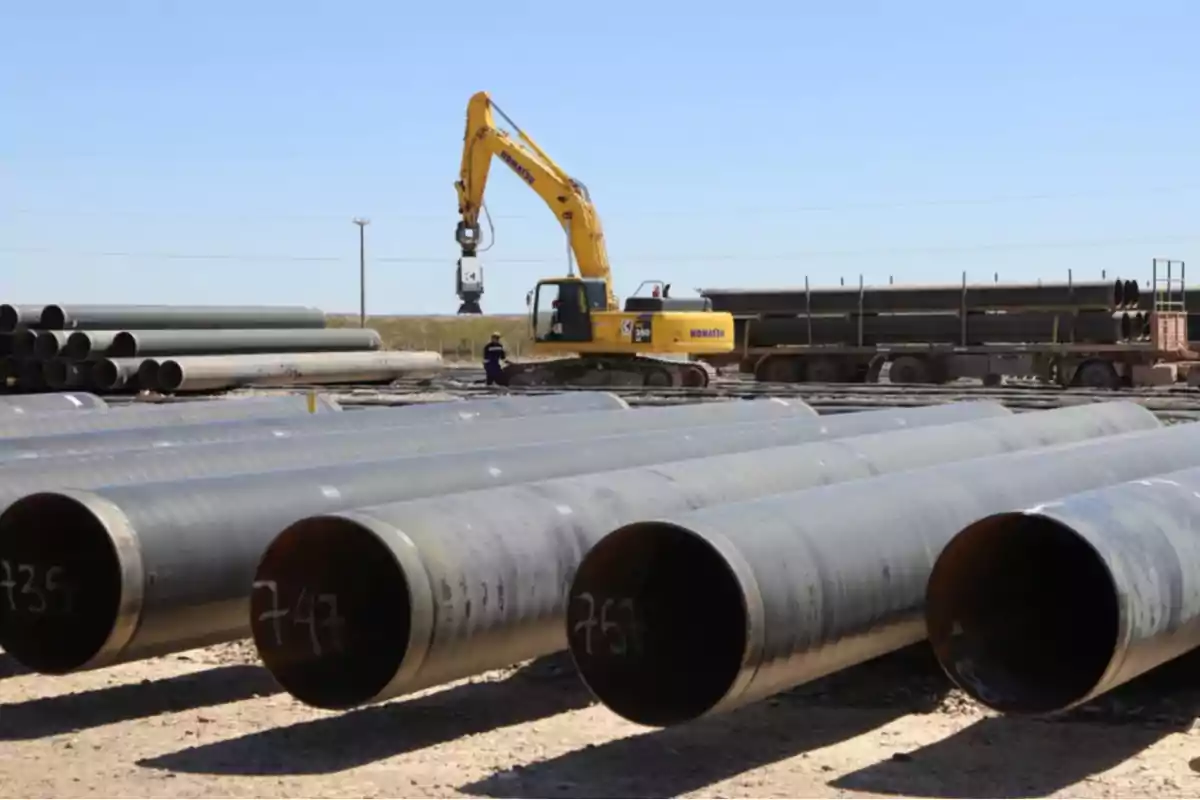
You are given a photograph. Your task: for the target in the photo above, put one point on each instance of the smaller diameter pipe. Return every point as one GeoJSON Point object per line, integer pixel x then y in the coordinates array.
{"type": "Point", "coordinates": [145, 317]}
{"type": "Point", "coordinates": [43, 404]}
{"type": "Point", "coordinates": [433, 590]}
{"type": "Point", "coordinates": [87, 345]}
{"type": "Point", "coordinates": [49, 344]}
{"type": "Point", "coordinates": [1040, 610]}
{"type": "Point", "coordinates": [110, 374]}
{"type": "Point", "coordinates": [205, 373]}
{"type": "Point", "coordinates": [62, 373]}
{"type": "Point", "coordinates": [127, 344]}
{"type": "Point", "coordinates": [729, 605]}
{"type": "Point", "coordinates": [181, 554]}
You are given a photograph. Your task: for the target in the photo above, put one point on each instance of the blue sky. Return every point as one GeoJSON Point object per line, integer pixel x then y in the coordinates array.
{"type": "Point", "coordinates": [749, 143]}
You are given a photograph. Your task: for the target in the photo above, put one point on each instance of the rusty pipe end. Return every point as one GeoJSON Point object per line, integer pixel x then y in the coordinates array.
{"type": "Point", "coordinates": [657, 623]}
{"type": "Point", "coordinates": [1023, 613]}
{"type": "Point", "coordinates": [72, 574]}
{"type": "Point", "coordinates": [341, 611]}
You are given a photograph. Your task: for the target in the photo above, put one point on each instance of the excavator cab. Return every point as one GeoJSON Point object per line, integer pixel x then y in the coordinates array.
{"type": "Point", "coordinates": [562, 309]}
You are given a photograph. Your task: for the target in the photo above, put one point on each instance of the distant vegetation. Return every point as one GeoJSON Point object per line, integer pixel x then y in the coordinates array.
{"type": "Point", "coordinates": [457, 338]}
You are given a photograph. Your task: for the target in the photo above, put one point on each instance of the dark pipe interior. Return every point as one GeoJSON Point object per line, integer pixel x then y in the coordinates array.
{"type": "Point", "coordinates": [344, 578]}
{"type": "Point", "coordinates": [105, 374]}
{"type": "Point", "coordinates": [169, 376]}
{"type": "Point", "coordinates": [675, 626]}
{"type": "Point", "coordinates": [62, 583]}
{"type": "Point", "coordinates": [45, 345]}
{"type": "Point", "coordinates": [147, 374]}
{"type": "Point", "coordinates": [9, 318]}
{"type": "Point", "coordinates": [56, 372]}
{"type": "Point", "coordinates": [124, 345]}
{"type": "Point", "coordinates": [24, 343]}
{"type": "Point", "coordinates": [1022, 613]}
{"type": "Point", "coordinates": [53, 318]}
{"type": "Point", "coordinates": [78, 346]}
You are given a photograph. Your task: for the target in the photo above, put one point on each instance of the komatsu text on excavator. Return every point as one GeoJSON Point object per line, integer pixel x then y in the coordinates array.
{"type": "Point", "coordinates": [578, 318]}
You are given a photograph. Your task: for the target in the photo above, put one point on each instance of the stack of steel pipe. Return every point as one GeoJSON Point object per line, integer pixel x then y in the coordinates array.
{"type": "Point", "coordinates": [712, 609]}
{"type": "Point", "coordinates": [1099, 312]}
{"type": "Point", "coordinates": [120, 348]}
{"type": "Point", "coordinates": [131, 551]}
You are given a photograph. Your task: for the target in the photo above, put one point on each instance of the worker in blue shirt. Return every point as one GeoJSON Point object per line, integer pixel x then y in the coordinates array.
{"type": "Point", "coordinates": [493, 354]}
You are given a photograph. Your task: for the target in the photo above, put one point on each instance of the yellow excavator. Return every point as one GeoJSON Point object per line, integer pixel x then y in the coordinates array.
{"type": "Point", "coordinates": [576, 320]}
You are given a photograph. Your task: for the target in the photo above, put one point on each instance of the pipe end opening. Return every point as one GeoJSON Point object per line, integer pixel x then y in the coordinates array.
{"type": "Point", "coordinates": [53, 318]}
{"type": "Point", "coordinates": [10, 318]}
{"type": "Point", "coordinates": [147, 375]}
{"type": "Point", "coordinates": [60, 583]}
{"type": "Point", "coordinates": [1022, 613]}
{"type": "Point", "coordinates": [657, 623]}
{"type": "Point", "coordinates": [168, 375]}
{"type": "Point", "coordinates": [330, 612]}
{"type": "Point", "coordinates": [46, 345]}
{"type": "Point", "coordinates": [56, 373]}
{"type": "Point", "coordinates": [123, 345]}
{"type": "Point", "coordinates": [105, 375]}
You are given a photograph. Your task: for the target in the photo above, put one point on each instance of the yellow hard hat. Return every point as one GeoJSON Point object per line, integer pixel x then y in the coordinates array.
{"type": "Point", "coordinates": [495, 334]}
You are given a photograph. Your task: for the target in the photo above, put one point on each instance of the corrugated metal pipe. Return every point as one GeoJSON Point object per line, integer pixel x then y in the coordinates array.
{"type": "Point", "coordinates": [433, 590]}
{"type": "Point", "coordinates": [165, 566]}
{"type": "Point", "coordinates": [728, 605]}
{"type": "Point", "coordinates": [1042, 609]}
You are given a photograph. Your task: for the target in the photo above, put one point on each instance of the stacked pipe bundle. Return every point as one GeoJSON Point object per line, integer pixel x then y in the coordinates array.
{"type": "Point", "coordinates": [1101, 312]}
{"type": "Point", "coordinates": [189, 348]}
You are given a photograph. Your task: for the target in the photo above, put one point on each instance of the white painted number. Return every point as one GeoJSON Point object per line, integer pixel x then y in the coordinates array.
{"type": "Point", "coordinates": [306, 612]}
{"type": "Point", "coordinates": [621, 637]}
{"type": "Point", "coordinates": [31, 594]}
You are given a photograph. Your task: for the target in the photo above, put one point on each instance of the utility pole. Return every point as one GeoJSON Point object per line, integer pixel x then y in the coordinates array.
{"type": "Point", "coordinates": [362, 223]}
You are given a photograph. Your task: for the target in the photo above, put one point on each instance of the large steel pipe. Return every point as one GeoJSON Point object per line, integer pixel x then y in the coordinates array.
{"type": "Point", "coordinates": [583, 413]}
{"type": "Point", "coordinates": [1095, 295]}
{"type": "Point", "coordinates": [110, 374]}
{"type": "Point", "coordinates": [62, 373]}
{"type": "Point", "coordinates": [41, 404]}
{"type": "Point", "coordinates": [1040, 610]}
{"type": "Point", "coordinates": [127, 344]}
{"type": "Point", "coordinates": [14, 317]}
{"type": "Point", "coordinates": [143, 317]}
{"type": "Point", "coordinates": [24, 343]}
{"type": "Point", "coordinates": [150, 415]}
{"type": "Point", "coordinates": [86, 345]}
{"type": "Point", "coordinates": [736, 603]}
{"type": "Point", "coordinates": [205, 373]}
{"type": "Point", "coordinates": [180, 556]}
{"type": "Point", "coordinates": [47, 344]}
{"type": "Point", "coordinates": [454, 585]}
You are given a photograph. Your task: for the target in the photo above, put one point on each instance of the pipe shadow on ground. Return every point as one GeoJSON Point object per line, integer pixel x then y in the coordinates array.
{"type": "Point", "coordinates": [1001, 757]}
{"type": "Point", "coordinates": [49, 716]}
{"type": "Point", "coordinates": [541, 689]}
{"type": "Point", "coordinates": [674, 761]}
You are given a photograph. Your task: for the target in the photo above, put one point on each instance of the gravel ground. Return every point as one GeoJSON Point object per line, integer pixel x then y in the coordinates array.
{"type": "Point", "coordinates": [210, 723]}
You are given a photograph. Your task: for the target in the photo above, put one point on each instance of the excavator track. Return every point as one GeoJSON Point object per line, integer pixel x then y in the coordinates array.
{"type": "Point", "coordinates": [610, 371]}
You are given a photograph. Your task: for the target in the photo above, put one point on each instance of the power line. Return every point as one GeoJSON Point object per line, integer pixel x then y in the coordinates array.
{"type": "Point", "coordinates": [1153, 240]}
{"type": "Point", "coordinates": [660, 212]}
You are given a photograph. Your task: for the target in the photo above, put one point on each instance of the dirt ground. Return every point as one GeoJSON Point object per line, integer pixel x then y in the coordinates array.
{"type": "Point", "coordinates": [210, 723]}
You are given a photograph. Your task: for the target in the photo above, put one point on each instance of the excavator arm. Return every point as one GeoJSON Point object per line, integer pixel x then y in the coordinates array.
{"type": "Point", "coordinates": [567, 198]}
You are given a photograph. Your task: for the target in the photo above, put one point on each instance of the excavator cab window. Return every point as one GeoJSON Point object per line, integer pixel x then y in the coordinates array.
{"type": "Point", "coordinates": [562, 311]}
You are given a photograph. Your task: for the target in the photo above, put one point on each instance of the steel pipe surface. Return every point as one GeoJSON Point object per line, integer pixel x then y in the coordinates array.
{"type": "Point", "coordinates": [736, 603]}
{"type": "Point", "coordinates": [454, 585]}
{"type": "Point", "coordinates": [62, 373]}
{"type": "Point", "coordinates": [44, 404]}
{"type": "Point", "coordinates": [14, 317]}
{"type": "Point", "coordinates": [1040, 610]}
{"type": "Point", "coordinates": [127, 344]}
{"type": "Point", "coordinates": [181, 555]}
{"type": "Point", "coordinates": [47, 344]}
{"type": "Point", "coordinates": [205, 373]}
{"type": "Point", "coordinates": [143, 317]}
{"type": "Point", "coordinates": [152, 415]}
{"type": "Point", "coordinates": [87, 345]}
{"type": "Point", "coordinates": [426, 426]}
{"type": "Point", "coordinates": [110, 374]}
